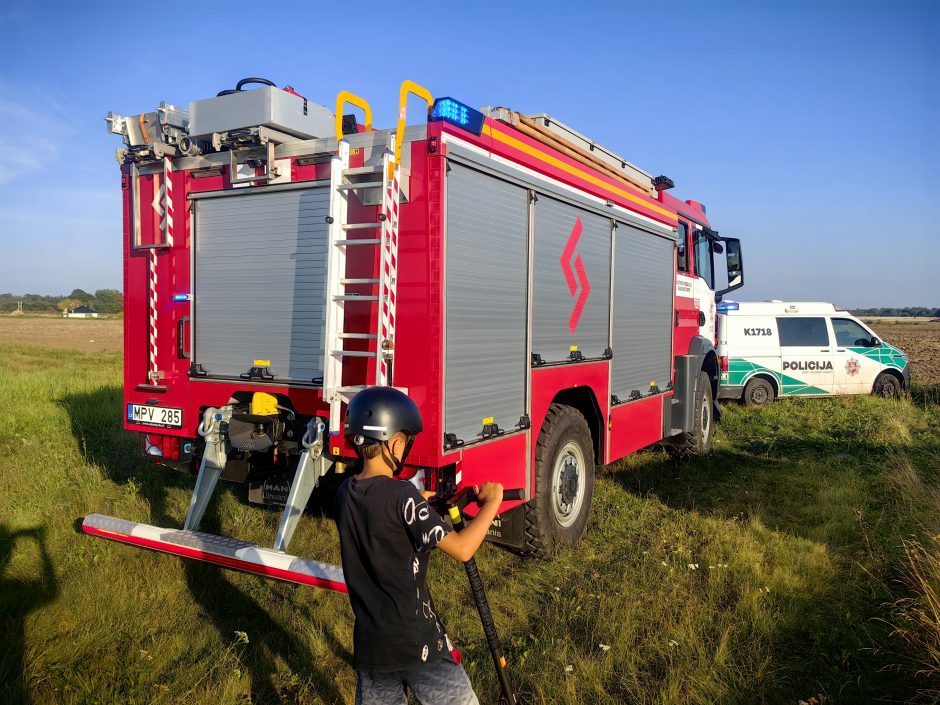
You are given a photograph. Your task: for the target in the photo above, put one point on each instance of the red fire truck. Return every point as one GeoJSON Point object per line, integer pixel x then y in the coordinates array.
{"type": "Point", "coordinates": [547, 304]}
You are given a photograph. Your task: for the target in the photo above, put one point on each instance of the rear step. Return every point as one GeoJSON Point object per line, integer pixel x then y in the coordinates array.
{"type": "Point", "coordinates": [226, 552]}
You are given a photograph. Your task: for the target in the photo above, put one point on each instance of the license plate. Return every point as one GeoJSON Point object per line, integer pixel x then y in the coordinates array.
{"type": "Point", "coordinates": [161, 416]}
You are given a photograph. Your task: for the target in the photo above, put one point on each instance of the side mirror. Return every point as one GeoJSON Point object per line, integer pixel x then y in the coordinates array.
{"type": "Point", "coordinates": [717, 248]}
{"type": "Point", "coordinates": [734, 263]}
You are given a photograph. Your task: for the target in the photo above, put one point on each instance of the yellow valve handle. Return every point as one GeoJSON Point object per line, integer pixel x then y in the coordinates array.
{"type": "Point", "coordinates": [346, 98]}
{"type": "Point", "coordinates": [406, 88]}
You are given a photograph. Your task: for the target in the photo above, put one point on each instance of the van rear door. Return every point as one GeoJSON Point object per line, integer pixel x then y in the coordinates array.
{"type": "Point", "coordinates": [806, 355]}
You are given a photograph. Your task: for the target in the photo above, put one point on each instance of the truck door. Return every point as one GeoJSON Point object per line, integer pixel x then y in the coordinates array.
{"type": "Point", "coordinates": [806, 355]}
{"type": "Point", "coordinates": [703, 289]}
{"type": "Point", "coordinates": [854, 371]}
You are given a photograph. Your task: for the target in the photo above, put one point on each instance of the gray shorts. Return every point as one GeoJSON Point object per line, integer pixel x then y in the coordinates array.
{"type": "Point", "coordinates": [439, 682]}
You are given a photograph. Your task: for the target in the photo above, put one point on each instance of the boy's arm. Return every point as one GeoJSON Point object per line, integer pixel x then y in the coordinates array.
{"type": "Point", "coordinates": [461, 545]}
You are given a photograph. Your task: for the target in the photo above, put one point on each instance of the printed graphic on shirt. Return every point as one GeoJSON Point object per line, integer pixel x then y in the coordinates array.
{"type": "Point", "coordinates": [424, 526]}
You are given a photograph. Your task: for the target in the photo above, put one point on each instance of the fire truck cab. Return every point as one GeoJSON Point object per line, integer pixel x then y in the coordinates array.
{"type": "Point", "coordinates": [548, 305]}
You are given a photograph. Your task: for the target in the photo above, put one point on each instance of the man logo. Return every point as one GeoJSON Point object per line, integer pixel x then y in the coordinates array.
{"type": "Point", "coordinates": [574, 275]}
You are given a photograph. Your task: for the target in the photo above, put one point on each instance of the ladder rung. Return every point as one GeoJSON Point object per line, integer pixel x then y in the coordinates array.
{"type": "Point", "coordinates": [352, 353]}
{"type": "Point", "coordinates": [361, 226]}
{"type": "Point", "coordinates": [358, 242]}
{"type": "Point", "coordinates": [356, 170]}
{"type": "Point", "coordinates": [358, 281]}
{"type": "Point", "coordinates": [346, 390]}
{"type": "Point", "coordinates": [353, 297]}
{"type": "Point", "coordinates": [359, 184]}
{"type": "Point", "coordinates": [358, 336]}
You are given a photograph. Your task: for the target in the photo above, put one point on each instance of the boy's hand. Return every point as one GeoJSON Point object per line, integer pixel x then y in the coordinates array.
{"type": "Point", "coordinates": [427, 494]}
{"type": "Point", "coordinates": [490, 493]}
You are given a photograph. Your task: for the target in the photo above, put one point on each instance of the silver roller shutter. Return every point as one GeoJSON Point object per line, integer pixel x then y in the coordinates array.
{"type": "Point", "coordinates": [565, 257]}
{"type": "Point", "coordinates": [485, 328]}
{"type": "Point", "coordinates": [259, 288]}
{"type": "Point", "coordinates": [642, 320]}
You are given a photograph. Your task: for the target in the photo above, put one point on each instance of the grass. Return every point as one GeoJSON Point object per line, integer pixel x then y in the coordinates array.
{"type": "Point", "coordinates": [799, 560]}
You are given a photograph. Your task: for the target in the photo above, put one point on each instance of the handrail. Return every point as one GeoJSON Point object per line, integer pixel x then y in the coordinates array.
{"type": "Point", "coordinates": [406, 88]}
{"type": "Point", "coordinates": [345, 97]}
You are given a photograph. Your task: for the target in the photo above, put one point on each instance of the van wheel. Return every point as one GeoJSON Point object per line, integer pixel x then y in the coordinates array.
{"type": "Point", "coordinates": [758, 392]}
{"type": "Point", "coordinates": [564, 482]}
{"type": "Point", "coordinates": [699, 441]}
{"type": "Point", "coordinates": [887, 385]}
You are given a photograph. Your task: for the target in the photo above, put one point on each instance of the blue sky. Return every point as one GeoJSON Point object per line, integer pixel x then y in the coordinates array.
{"type": "Point", "coordinates": [809, 129]}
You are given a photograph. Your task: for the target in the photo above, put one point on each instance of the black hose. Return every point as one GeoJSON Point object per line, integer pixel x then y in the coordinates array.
{"type": "Point", "coordinates": [264, 81]}
{"type": "Point", "coordinates": [239, 86]}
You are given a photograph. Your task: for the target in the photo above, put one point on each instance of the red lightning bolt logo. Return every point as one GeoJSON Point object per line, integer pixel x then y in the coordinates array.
{"type": "Point", "coordinates": [575, 275]}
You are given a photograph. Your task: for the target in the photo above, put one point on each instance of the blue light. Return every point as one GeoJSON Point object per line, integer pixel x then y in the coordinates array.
{"type": "Point", "coordinates": [456, 113]}
{"type": "Point", "coordinates": [727, 306]}
{"type": "Point", "coordinates": [181, 297]}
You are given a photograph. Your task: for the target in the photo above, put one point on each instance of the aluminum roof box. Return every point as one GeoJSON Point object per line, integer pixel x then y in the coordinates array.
{"type": "Point", "coordinates": [260, 107]}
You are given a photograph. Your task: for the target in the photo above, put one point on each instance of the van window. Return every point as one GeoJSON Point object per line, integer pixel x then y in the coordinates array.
{"type": "Point", "coordinates": [682, 259]}
{"type": "Point", "coordinates": [803, 332]}
{"type": "Point", "coordinates": [850, 334]}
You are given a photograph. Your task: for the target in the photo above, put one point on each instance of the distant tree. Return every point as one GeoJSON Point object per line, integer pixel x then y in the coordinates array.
{"type": "Point", "coordinates": [81, 295]}
{"type": "Point", "coordinates": [108, 301]}
{"type": "Point", "coordinates": [65, 304]}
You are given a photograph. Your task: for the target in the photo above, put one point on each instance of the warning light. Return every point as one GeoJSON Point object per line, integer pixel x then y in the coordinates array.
{"type": "Point", "coordinates": [456, 113]}
{"type": "Point", "coordinates": [180, 297]}
{"type": "Point", "coordinates": [727, 306]}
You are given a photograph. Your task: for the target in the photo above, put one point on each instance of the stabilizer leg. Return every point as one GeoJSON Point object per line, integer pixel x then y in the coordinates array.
{"type": "Point", "coordinates": [213, 463]}
{"type": "Point", "coordinates": [310, 468]}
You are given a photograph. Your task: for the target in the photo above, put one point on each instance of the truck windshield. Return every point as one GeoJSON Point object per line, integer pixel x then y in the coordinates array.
{"type": "Point", "coordinates": [703, 258]}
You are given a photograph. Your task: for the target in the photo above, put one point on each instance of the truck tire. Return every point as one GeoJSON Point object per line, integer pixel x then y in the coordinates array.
{"type": "Point", "coordinates": [699, 440]}
{"type": "Point", "coordinates": [887, 385]}
{"type": "Point", "coordinates": [758, 392]}
{"type": "Point", "coordinates": [564, 482]}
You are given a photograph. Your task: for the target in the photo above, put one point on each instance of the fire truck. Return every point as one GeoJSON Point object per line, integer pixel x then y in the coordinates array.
{"type": "Point", "coordinates": [548, 305]}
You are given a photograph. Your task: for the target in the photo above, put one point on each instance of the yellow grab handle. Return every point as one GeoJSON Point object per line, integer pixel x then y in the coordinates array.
{"type": "Point", "coordinates": [344, 98]}
{"type": "Point", "coordinates": [406, 88]}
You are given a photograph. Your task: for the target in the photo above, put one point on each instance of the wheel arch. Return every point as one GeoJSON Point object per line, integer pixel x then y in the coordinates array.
{"type": "Point", "coordinates": [583, 400]}
{"type": "Point", "coordinates": [894, 372]}
{"type": "Point", "coordinates": [774, 382]}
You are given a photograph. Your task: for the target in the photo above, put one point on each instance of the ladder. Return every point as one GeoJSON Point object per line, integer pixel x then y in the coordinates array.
{"type": "Point", "coordinates": [344, 235]}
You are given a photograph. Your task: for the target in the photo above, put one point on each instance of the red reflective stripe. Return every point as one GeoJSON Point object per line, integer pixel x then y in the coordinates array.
{"type": "Point", "coordinates": [224, 561]}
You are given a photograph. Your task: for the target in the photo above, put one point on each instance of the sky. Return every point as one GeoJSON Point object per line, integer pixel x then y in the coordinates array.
{"type": "Point", "coordinates": [808, 129]}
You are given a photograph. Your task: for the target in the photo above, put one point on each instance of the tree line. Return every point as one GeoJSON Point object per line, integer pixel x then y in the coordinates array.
{"type": "Point", "coordinates": [103, 301]}
{"type": "Point", "coordinates": [906, 312]}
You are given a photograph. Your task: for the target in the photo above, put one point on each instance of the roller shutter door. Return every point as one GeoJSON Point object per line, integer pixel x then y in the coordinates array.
{"type": "Point", "coordinates": [485, 328]}
{"type": "Point", "coordinates": [259, 283]}
{"type": "Point", "coordinates": [643, 305]}
{"type": "Point", "coordinates": [570, 282]}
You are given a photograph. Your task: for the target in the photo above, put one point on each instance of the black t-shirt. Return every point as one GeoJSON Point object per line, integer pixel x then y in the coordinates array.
{"type": "Point", "coordinates": [386, 532]}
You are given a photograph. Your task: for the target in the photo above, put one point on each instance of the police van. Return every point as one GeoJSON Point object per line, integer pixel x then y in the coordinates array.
{"type": "Point", "coordinates": [772, 349]}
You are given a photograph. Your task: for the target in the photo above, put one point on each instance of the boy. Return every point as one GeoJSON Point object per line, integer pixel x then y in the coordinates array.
{"type": "Point", "coordinates": [387, 531]}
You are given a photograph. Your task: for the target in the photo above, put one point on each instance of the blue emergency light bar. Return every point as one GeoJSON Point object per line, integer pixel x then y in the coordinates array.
{"type": "Point", "coordinates": [727, 306]}
{"type": "Point", "coordinates": [456, 113]}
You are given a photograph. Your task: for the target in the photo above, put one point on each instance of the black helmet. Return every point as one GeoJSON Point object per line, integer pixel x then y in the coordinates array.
{"type": "Point", "coordinates": [377, 413]}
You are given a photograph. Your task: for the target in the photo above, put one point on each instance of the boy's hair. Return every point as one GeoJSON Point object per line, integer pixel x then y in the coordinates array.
{"type": "Point", "coordinates": [374, 450]}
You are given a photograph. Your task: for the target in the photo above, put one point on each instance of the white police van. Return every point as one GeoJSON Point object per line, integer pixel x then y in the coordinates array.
{"type": "Point", "coordinates": [772, 349]}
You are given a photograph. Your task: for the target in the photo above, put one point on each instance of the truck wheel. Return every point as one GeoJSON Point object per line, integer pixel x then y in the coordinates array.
{"type": "Point", "coordinates": [887, 385]}
{"type": "Point", "coordinates": [564, 482]}
{"type": "Point", "coordinates": [758, 392]}
{"type": "Point", "coordinates": [699, 441]}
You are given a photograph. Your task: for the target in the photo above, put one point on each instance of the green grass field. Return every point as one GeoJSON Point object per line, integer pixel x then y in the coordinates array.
{"type": "Point", "coordinates": [798, 561]}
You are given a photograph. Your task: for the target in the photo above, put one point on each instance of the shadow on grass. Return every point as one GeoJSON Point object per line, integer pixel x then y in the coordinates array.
{"type": "Point", "coordinates": [19, 597]}
{"type": "Point", "coordinates": [96, 424]}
